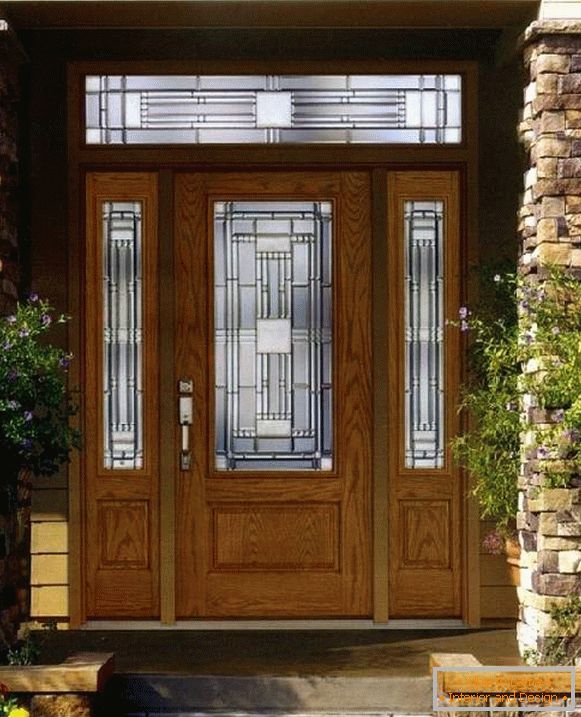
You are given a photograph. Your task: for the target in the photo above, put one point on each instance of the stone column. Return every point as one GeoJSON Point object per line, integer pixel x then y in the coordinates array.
{"type": "Point", "coordinates": [549, 521]}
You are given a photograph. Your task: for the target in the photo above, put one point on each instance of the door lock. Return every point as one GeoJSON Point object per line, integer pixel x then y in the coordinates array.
{"type": "Point", "coordinates": [186, 419]}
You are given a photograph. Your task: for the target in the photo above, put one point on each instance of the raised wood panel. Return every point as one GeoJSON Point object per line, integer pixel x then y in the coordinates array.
{"type": "Point", "coordinates": [425, 505]}
{"type": "Point", "coordinates": [342, 585]}
{"type": "Point", "coordinates": [426, 534]}
{"type": "Point", "coordinates": [499, 602]}
{"type": "Point", "coordinates": [121, 513]}
{"type": "Point", "coordinates": [276, 537]}
{"type": "Point", "coordinates": [123, 534]}
{"type": "Point", "coordinates": [49, 537]}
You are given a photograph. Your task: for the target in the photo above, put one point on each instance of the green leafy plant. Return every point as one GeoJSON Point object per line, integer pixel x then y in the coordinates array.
{"type": "Point", "coordinates": [524, 342]}
{"type": "Point", "coordinates": [490, 448]}
{"type": "Point", "coordinates": [35, 405]}
{"type": "Point", "coordinates": [566, 619]}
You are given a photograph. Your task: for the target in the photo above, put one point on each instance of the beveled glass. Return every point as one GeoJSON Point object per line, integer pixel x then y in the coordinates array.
{"type": "Point", "coordinates": [273, 335]}
{"type": "Point", "coordinates": [424, 334]}
{"type": "Point", "coordinates": [273, 109]}
{"type": "Point", "coordinates": [122, 336]}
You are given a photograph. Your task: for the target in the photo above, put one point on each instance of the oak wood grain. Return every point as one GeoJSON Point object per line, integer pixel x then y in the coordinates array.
{"type": "Point", "coordinates": [425, 516]}
{"type": "Point", "coordinates": [121, 507]}
{"type": "Point", "coordinates": [248, 543]}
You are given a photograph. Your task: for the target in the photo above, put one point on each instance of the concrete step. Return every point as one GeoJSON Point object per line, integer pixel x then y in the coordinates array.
{"type": "Point", "coordinates": [150, 695]}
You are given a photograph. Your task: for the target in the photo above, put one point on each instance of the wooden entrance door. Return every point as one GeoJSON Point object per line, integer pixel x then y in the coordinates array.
{"type": "Point", "coordinates": [273, 303]}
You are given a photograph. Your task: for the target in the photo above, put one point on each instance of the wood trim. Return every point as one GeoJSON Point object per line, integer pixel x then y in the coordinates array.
{"type": "Point", "coordinates": [167, 393]}
{"type": "Point", "coordinates": [380, 265]}
{"type": "Point", "coordinates": [135, 489]}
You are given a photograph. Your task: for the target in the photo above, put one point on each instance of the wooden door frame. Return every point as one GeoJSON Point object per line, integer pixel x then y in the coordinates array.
{"type": "Point", "coordinates": [378, 160]}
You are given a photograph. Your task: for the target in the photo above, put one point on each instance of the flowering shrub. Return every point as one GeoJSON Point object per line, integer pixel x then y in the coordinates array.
{"type": "Point", "coordinates": [9, 705]}
{"type": "Point", "coordinates": [490, 449]}
{"type": "Point", "coordinates": [536, 328]}
{"type": "Point", "coordinates": [35, 405]}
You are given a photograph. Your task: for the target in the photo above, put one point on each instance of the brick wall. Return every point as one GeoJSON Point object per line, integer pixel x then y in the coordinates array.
{"type": "Point", "coordinates": [549, 521]}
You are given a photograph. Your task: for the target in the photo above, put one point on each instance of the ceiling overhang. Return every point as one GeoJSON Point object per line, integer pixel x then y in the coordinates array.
{"type": "Point", "coordinates": [179, 14]}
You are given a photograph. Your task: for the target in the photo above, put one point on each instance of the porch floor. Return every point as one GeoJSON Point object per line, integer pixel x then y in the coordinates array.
{"type": "Point", "coordinates": [325, 653]}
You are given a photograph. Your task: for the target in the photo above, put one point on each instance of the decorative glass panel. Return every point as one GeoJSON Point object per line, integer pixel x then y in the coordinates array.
{"type": "Point", "coordinates": [273, 335]}
{"type": "Point", "coordinates": [272, 109]}
{"type": "Point", "coordinates": [424, 334]}
{"type": "Point", "coordinates": [122, 336]}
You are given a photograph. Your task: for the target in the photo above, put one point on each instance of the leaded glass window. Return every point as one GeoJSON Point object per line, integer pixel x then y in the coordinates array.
{"type": "Point", "coordinates": [122, 335]}
{"type": "Point", "coordinates": [424, 334]}
{"type": "Point", "coordinates": [273, 335]}
{"type": "Point", "coordinates": [273, 109]}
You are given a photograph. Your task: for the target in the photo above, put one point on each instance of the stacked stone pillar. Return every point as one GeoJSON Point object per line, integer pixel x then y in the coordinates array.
{"type": "Point", "coordinates": [549, 520]}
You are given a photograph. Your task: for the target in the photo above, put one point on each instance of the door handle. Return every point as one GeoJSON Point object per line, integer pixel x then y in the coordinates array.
{"type": "Point", "coordinates": [186, 418]}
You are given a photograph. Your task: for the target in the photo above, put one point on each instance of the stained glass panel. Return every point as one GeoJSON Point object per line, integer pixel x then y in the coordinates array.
{"type": "Point", "coordinates": [122, 336]}
{"type": "Point", "coordinates": [424, 334]}
{"type": "Point", "coordinates": [273, 335]}
{"type": "Point", "coordinates": [273, 109]}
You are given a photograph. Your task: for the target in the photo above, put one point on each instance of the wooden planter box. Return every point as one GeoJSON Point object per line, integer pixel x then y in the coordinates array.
{"type": "Point", "coordinates": [67, 688]}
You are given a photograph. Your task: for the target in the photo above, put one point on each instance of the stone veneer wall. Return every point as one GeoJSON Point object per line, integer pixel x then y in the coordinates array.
{"type": "Point", "coordinates": [549, 521]}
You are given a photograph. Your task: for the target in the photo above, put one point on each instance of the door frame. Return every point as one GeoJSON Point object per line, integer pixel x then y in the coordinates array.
{"type": "Point", "coordinates": [378, 160]}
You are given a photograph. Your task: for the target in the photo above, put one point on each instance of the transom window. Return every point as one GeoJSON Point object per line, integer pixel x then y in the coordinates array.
{"type": "Point", "coordinates": [273, 109]}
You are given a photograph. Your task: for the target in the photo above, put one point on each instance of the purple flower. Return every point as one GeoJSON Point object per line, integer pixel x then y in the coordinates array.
{"type": "Point", "coordinates": [7, 345]}
{"type": "Point", "coordinates": [33, 297]}
{"type": "Point", "coordinates": [542, 452]}
{"type": "Point", "coordinates": [524, 304]}
{"type": "Point", "coordinates": [12, 375]}
{"type": "Point", "coordinates": [46, 320]}
{"type": "Point", "coordinates": [11, 319]}
{"type": "Point", "coordinates": [28, 415]}
{"type": "Point", "coordinates": [558, 416]}
{"type": "Point", "coordinates": [64, 361]}
{"type": "Point", "coordinates": [464, 326]}
{"type": "Point", "coordinates": [492, 543]}
{"type": "Point", "coordinates": [463, 312]}
{"type": "Point", "coordinates": [570, 434]}
{"type": "Point", "coordinates": [24, 332]}
{"type": "Point", "coordinates": [26, 443]}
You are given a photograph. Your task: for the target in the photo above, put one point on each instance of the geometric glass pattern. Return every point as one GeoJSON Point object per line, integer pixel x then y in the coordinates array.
{"type": "Point", "coordinates": [273, 335]}
{"type": "Point", "coordinates": [424, 334]}
{"type": "Point", "coordinates": [273, 109]}
{"type": "Point", "coordinates": [122, 336]}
